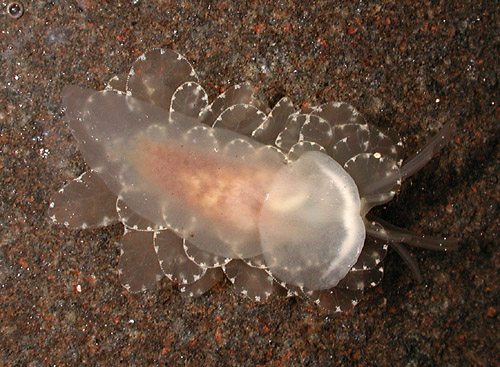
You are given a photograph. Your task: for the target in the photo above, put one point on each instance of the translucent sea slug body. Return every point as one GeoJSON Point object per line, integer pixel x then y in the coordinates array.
{"type": "Point", "coordinates": [278, 201]}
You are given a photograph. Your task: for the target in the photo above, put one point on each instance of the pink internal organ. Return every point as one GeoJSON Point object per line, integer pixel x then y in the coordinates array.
{"type": "Point", "coordinates": [223, 191]}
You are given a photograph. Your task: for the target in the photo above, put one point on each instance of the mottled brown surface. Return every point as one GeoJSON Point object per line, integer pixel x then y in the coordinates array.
{"type": "Point", "coordinates": [409, 67]}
